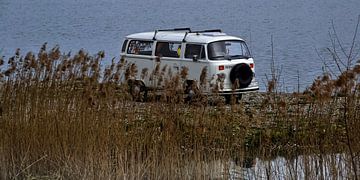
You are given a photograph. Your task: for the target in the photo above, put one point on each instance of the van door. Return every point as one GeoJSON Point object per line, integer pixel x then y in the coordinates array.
{"type": "Point", "coordinates": [140, 52]}
{"type": "Point", "coordinates": [195, 61]}
{"type": "Point", "coordinates": [167, 62]}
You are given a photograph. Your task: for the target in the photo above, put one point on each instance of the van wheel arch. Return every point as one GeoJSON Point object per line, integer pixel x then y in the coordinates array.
{"type": "Point", "coordinates": [137, 90]}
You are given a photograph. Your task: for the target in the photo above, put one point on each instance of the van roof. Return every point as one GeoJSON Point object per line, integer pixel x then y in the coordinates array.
{"type": "Point", "coordinates": [178, 36]}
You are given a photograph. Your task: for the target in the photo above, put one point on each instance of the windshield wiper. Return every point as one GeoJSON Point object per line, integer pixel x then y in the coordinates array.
{"type": "Point", "coordinates": [240, 57]}
{"type": "Point", "coordinates": [217, 57]}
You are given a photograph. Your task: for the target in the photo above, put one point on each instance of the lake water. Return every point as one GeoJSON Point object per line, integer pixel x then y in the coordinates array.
{"type": "Point", "coordinates": [298, 28]}
{"type": "Point", "coordinates": [329, 166]}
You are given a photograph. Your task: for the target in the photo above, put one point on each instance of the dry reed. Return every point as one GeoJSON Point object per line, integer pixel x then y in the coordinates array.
{"type": "Point", "coordinates": [63, 117]}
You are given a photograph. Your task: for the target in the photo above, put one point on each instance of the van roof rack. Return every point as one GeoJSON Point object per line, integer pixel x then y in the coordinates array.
{"type": "Point", "coordinates": [175, 29]}
{"type": "Point", "coordinates": [203, 31]}
{"type": "Point", "coordinates": [208, 30]}
{"type": "Point", "coordinates": [187, 31]}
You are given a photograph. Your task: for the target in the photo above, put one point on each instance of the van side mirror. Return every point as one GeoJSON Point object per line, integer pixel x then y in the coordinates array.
{"type": "Point", "coordinates": [195, 58]}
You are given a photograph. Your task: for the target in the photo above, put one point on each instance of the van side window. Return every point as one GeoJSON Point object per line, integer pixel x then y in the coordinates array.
{"type": "Point", "coordinates": [140, 47]}
{"type": "Point", "coordinates": [124, 46]}
{"type": "Point", "coordinates": [168, 49]}
{"type": "Point", "coordinates": [194, 49]}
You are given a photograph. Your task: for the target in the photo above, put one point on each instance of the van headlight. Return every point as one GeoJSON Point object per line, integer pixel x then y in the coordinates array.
{"type": "Point", "coordinates": [221, 76]}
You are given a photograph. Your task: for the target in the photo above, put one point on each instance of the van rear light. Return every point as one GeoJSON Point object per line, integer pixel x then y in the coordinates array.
{"type": "Point", "coordinates": [251, 65]}
{"type": "Point", "coordinates": [221, 67]}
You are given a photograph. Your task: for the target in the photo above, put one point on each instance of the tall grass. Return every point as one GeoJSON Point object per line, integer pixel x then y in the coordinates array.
{"type": "Point", "coordinates": [63, 117]}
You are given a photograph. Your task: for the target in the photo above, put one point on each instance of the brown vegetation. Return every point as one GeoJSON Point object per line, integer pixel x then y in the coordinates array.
{"type": "Point", "coordinates": [62, 117]}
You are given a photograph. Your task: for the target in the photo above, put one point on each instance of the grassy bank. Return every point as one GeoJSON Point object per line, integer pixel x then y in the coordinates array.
{"type": "Point", "coordinates": [61, 116]}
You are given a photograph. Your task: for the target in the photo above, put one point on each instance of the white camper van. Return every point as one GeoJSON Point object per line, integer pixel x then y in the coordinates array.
{"type": "Point", "coordinates": [226, 60]}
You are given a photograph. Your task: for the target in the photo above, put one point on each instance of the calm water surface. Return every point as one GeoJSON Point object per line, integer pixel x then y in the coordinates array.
{"type": "Point", "coordinates": [298, 28]}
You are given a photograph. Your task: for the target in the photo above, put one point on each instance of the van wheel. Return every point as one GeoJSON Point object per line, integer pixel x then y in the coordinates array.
{"type": "Point", "coordinates": [229, 98]}
{"type": "Point", "coordinates": [189, 91]}
{"type": "Point", "coordinates": [137, 90]}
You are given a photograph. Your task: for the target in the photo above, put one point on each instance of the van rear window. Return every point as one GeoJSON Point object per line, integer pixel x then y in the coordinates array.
{"type": "Point", "coordinates": [140, 47]}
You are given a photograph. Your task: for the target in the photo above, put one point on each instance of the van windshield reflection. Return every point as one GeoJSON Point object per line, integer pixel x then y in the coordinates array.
{"type": "Point", "coordinates": [234, 49]}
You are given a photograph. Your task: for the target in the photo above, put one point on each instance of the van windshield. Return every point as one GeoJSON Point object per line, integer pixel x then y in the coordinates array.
{"type": "Point", "coordinates": [232, 49]}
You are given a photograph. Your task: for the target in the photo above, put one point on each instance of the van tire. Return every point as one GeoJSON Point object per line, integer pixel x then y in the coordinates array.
{"type": "Point", "coordinates": [229, 98]}
{"type": "Point", "coordinates": [243, 73]}
{"type": "Point", "coordinates": [137, 90]}
{"type": "Point", "coordinates": [189, 90]}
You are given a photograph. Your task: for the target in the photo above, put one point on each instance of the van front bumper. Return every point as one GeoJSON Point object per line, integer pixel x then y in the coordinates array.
{"type": "Point", "coordinates": [254, 86]}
